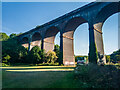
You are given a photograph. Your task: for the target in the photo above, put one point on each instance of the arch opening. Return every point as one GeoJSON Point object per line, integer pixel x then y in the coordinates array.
{"type": "Point", "coordinates": [25, 42]}
{"type": "Point", "coordinates": [50, 38]}
{"type": "Point", "coordinates": [104, 14]}
{"type": "Point", "coordinates": [110, 34]}
{"type": "Point", "coordinates": [68, 39]}
{"type": "Point", "coordinates": [81, 40]}
{"type": "Point", "coordinates": [36, 40]}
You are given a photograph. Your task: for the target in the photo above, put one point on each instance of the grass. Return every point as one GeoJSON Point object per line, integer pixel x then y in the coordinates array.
{"type": "Point", "coordinates": [31, 79]}
{"type": "Point", "coordinates": [41, 80]}
{"type": "Point", "coordinates": [91, 76]}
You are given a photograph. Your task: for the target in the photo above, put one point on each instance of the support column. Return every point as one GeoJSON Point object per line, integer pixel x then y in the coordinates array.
{"type": "Point", "coordinates": [96, 49]}
{"type": "Point", "coordinates": [99, 42]}
{"type": "Point", "coordinates": [92, 47]}
{"type": "Point", "coordinates": [42, 44]}
{"type": "Point", "coordinates": [61, 49]}
{"type": "Point", "coordinates": [49, 43]}
{"type": "Point", "coordinates": [68, 48]}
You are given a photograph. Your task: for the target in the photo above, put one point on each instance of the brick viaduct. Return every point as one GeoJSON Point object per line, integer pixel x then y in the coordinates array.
{"type": "Point", "coordinates": [95, 14]}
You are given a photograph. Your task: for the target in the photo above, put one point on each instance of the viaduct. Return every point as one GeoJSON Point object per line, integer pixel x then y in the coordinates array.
{"type": "Point", "coordinates": [95, 14]}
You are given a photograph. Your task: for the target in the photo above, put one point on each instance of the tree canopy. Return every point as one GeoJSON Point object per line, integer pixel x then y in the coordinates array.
{"type": "Point", "coordinates": [3, 36]}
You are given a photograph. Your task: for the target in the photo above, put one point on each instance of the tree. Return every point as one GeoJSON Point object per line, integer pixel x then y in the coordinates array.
{"type": "Point", "coordinates": [3, 36]}
{"type": "Point", "coordinates": [43, 56]}
{"type": "Point", "coordinates": [57, 51]}
{"type": "Point", "coordinates": [19, 34]}
{"type": "Point", "coordinates": [6, 59]}
{"type": "Point", "coordinates": [33, 55]}
{"type": "Point", "coordinates": [115, 56]}
{"type": "Point", "coordinates": [13, 35]}
{"type": "Point", "coordinates": [51, 56]}
{"type": "Point", "coordinates": [108, 58]}
{"type": "Point", "coordinates": [12, 48]}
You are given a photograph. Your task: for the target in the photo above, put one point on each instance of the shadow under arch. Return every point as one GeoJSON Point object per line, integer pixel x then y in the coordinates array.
{"type": "Point", "coordinates": [36, 40]}
{"type": "Point", "coordinates": [49, 38]}
{"type": "Point", "coordinates": [68, 47]}
{"type": "Point", "coordinates": [25, 42]}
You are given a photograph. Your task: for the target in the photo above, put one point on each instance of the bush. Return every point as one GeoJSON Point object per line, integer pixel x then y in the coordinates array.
{"type": "Point", "coordinates": [3, 36]}
{"type": "Point", "coordinates": [12, 48]}
{"type": "Point", "coordinates": [33, 55]}
{"type": "Point", "coordinates": [51, 57]}
{"type": "Point", "coordinates": [57, 51]}
{"type": "Point", "coordinates": [99, 76]}
{"type": "Point", "coordinates": [4, 65]}
{"type": "Point", "coordinates": [43, 56]}
{"type": "Point", "coordinates": [107, 59]}
{"type": "Point", "coordinates": [6, 59]}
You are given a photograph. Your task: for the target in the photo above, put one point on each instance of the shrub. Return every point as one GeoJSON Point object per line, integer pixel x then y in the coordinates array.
{"type": "Point", "coordinates": [12, 48]}
{"type": "Point", "coordinates": [3, 36]}
{"type": "Point", "coordinates": [107, 59]}
{"type": "Point", "coordinates": [57, 51]}
{"type": "Point", "coordinates": [4, 65]}
{"type": "Point", "coordinates": [33, 55]}
{"type": "Point", "coordinates": [43, 56]}
{"type": "Point", "coordinates": [6, 59]}
{"type": "Point", "coordinates": [51, 57]}
{"type": "Point", "coordinates": [99, 76]}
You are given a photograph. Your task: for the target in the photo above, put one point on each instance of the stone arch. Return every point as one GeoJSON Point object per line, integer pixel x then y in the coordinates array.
{"type": "Point", "coordinates": [50, 37]}
{"type": "Point", "coordinates": [68, 48]}
{"type": "Point", "coordinates": [107, 11]}
{"type": "Point", "coordinates": [101, 17]}
{"type": "Point", "coordinates": [25, 42]}
{"type": "Point", "coordinates": [36, 40]}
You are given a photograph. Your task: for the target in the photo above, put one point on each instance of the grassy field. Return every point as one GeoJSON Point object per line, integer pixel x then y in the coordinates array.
{"type": "Point", "coordinates": [37, 79]}
{"type": "Point", "coordinates": [88, 76]}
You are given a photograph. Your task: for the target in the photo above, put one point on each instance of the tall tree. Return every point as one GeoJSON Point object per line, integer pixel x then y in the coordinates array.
{"type": "Point", "coordinates": [3, 36]}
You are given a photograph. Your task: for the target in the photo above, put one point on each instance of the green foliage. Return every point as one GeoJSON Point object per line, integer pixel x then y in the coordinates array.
{"type": "Point", "coordinates": [51, 55]}
{"type": "Point", "coordinates": [3, 36]}
{"type": "Point", "coordinates": [57, 51]}
{"type": "Point", "coordinates": [33, 55]}
{"type": "Point", "coordinates": [98, 76]}
{"type": "Point", "coordinates": [6, 59]}
{"type": "Point", "coordinates": [19, 34]}
{"type": "Point", "coordinates": [93, 54]}
{"type": "Point", "coordinates": [38, 26]}
{"type": "Point", "coordinates": [4, 65]}
{"type": "Point", "coordinates": [43, 56]}
{"type": "Point", "coordinates": [13, 35]}
{"type": "Point", "coordinates": [115, 56]}
{"type": "Point", "coordinates": [80, 56]}
{"type": "Point", "coordinates": [12, 48]}
{"type": "Point", "coordinates": [107, 58]}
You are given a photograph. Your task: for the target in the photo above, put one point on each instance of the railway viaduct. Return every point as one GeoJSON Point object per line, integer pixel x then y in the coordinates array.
{"type": "Point", "coordinates": [95, 14]}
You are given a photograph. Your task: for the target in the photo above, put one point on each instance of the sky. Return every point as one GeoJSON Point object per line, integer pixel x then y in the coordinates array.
{"type": "Point", "coordinates": [20, 17]}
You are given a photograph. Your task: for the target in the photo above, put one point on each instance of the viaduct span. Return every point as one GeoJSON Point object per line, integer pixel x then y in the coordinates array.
{"type": "Point", "coordinates": [95, 14]}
